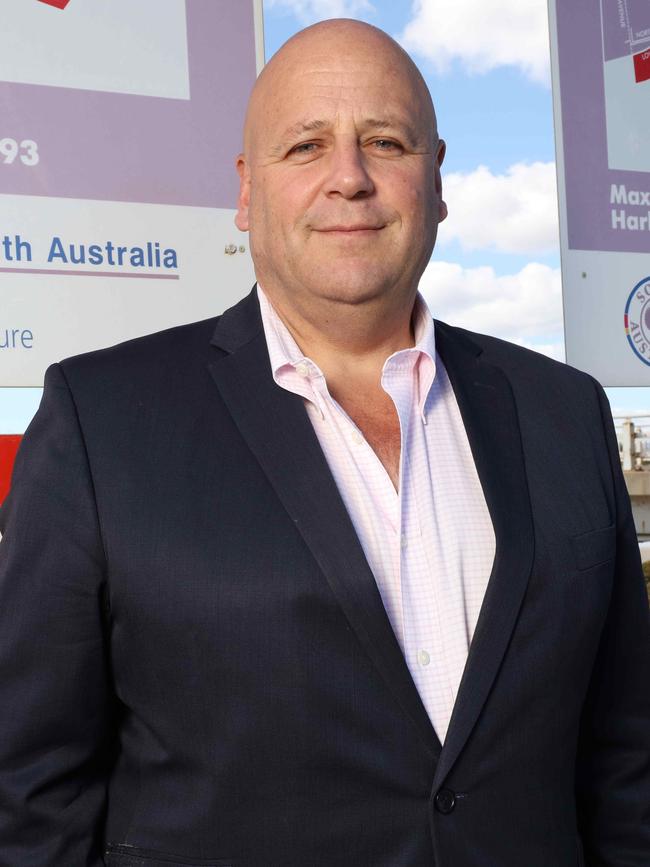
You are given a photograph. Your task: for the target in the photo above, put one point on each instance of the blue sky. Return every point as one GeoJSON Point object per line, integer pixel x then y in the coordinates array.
{"type": "Point", "coordinates": [496, 267]}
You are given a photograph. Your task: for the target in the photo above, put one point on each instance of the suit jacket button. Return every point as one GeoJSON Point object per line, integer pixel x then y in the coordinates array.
{"type": "Point", "coordinates": [445, 801]}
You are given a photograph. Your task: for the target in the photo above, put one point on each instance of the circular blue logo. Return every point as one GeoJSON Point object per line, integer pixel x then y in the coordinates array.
{"type": "Point", "coordinates": [637, 320]}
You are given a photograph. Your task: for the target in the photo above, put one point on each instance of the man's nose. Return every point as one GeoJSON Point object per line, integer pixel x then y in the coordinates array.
{"type": "Point", "coordinates": [348, 174]}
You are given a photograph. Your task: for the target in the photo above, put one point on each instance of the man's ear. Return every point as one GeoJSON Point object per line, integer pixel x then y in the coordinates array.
{"type": "Point", "coordinates": [442, 205]}
{"type": "Point", "coordinates": [241, 218]}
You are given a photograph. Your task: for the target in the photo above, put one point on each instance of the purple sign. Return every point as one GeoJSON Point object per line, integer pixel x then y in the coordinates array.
{"type": "Point", "coordinates": [605, 100]}
{"type": "Point", "coordinates": [134, 147]}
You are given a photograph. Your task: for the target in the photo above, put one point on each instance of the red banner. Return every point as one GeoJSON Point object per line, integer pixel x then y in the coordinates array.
{"type": "Point", "coordinates": [642, 66]}
{"type": "Point", "coordinates": [8, 448]}
{"type": "Point", "coordinates": [60, 4]}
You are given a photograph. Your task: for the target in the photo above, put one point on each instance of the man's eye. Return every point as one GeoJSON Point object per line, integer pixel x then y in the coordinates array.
{"type": "Point", "coordinates": [303, 148]}
{"type": "Point", "coordinates": [386, 144]}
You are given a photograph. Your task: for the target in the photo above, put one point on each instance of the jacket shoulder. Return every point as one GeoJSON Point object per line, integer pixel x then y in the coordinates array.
{"type": "Point", "coordinates": [178, 347]}
{"type": "Point", "coordinates": [519, 362]}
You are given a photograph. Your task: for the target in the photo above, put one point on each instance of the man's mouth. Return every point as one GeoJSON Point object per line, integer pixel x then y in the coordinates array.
{"type": "Point", "coordinates": [344, 229]}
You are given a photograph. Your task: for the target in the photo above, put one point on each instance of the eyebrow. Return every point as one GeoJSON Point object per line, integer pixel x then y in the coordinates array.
{"type": "Point", "coordinates": [295, 130]}
{"type": "Point", "coordinates": [307, 126]}
{"type": "Point", "coordinates": [393, 123]}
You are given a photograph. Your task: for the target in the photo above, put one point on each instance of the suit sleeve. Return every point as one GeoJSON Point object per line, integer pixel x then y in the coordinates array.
{"type": "Point", "coordinates": [56, 703]}
{"type": "Point", "coordinates": [613, 770]}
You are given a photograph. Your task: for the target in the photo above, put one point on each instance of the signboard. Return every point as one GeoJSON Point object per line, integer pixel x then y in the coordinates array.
{"type": "Point", "coordinates": [119, 127]}
{"type": "Point", "coordinates": [601, 87]}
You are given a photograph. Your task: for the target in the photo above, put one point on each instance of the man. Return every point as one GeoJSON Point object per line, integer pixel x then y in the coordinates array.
{"type": "Point", "coordinates": [257, 570]}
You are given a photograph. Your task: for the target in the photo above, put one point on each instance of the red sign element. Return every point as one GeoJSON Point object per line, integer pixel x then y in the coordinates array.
{"type": "Point", "coordinates": [642, 66]}
{"type": "Point", "coordinates": [8, 448]}
{"type": "Point", "coordinates": [60, 4]}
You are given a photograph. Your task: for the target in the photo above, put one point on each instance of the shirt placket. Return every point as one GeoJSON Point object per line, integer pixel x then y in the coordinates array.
{"type": "Point", "coordinates": [427, 620]}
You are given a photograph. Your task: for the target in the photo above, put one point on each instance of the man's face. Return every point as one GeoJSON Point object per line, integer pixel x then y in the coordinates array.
{"type": "Point", "coordinates": [340, 185]}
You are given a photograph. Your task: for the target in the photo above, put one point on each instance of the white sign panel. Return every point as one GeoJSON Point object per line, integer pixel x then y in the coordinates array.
{"type": "Point", "coordinates": [601, 89]}
{"type": "Point", "coordinates": [119, 127]}
{"type": "Point", "coordinates": [77, 49]}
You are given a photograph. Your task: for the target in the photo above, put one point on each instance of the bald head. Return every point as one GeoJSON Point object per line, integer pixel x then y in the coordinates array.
{"type": "Point", "coordinates": [327, 44]}
{"type": "Point", "coordinates": [340, 184]}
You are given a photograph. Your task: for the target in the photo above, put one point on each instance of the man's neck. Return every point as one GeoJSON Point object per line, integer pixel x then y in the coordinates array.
{"type": "Point", "coordinates": [349, 342]}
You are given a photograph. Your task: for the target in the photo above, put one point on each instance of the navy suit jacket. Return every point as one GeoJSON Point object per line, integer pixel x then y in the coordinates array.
{"type": "Point", "coordinates": [196, 667]}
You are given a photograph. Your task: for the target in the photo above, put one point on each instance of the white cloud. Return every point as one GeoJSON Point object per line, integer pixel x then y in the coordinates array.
{"type": "Point", "coordinates": [310, 11]}
{"type": "Point", "coordinates": [514, 213]}
{"type": "Point", "coordinates": [482, 35]}
{"type": "Point", "coordinates": [525, 307]}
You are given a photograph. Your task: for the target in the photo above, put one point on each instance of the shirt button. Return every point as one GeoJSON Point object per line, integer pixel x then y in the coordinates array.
{"type": "Point", "coordinates": [356, 436]}
{"type": "Point", "coordinates": [404, 542]}
{"type": "Point", "coordinates": [302, 368]}
{"type": "Point", "coordinates": [423, 657]}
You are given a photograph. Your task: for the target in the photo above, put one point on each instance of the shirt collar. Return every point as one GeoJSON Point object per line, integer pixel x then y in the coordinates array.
{"type": "Point", "coordinates": [420, 359]}
{"type": "Point", "coordinates": [283, 349]}
{"type": "Point", "coordinates": [285, 355]}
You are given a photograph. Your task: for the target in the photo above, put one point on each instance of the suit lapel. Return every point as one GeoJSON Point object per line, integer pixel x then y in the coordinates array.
{"type": "Point", "coordinates": [489, 414]}
{"type": "Point", "coordinates": [278, 431]}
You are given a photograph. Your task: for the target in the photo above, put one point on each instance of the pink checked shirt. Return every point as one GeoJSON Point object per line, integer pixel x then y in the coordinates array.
{"type": "Point", "coordinates": [431, 544]}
